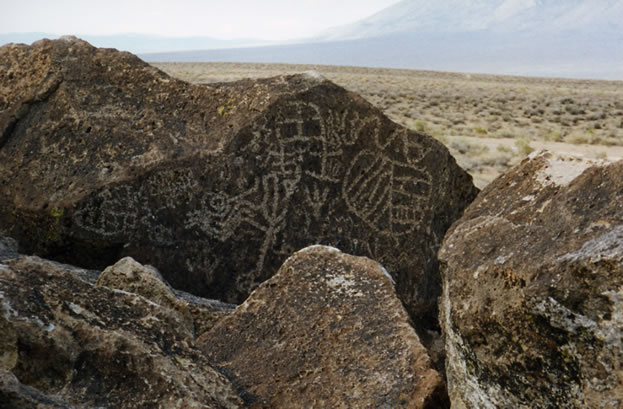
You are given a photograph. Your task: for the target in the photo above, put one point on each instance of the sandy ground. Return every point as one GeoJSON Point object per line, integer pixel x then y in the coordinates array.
{"type": "Point", "coordinates": [612, 153]}
{"type": "Point", "coordinates": [485, 174]}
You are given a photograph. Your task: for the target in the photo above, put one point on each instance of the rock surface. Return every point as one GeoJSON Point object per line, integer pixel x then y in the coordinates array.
{"type": "Point", "coordinates": [8, 248]}
{"type": "Point", "coordinates": [532, 305]}
{"type": "Point", "coordinates": [198, 314]}
{"type": "Point", "coordinates": [103, 156]}
{"type": "Point", "coordinates": [66, 343]}
{"type": "Point", "coordinates": [327, 331]}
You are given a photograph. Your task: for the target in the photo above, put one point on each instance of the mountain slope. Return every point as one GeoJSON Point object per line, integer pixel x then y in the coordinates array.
{"type": "Point", "coordinates": [510, 16]}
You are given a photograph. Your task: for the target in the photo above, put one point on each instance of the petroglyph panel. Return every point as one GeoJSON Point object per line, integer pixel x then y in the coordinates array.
{"type": "Point", "coordinates": [299, 175]}
{"type": "Point", "coordinates": [386, 188]}
{"type": "Point", "coordinates": [301, 168]}
{"type": "Point", "coordinates": [392, 196]}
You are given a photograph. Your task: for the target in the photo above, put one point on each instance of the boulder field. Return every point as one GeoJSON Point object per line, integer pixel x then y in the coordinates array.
{"type": "Point", "coordinates": [103, 156]}
{"type": "Point", "coordinates": [326, 331]}
{"type": "Point", "coordinates": [240, 195]}
{"type": "Point", "coordinates": [67, 341]}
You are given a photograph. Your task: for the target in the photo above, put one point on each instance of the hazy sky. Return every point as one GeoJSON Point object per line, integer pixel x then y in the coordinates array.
{"type": "Point", "coordinates": [226, 19]}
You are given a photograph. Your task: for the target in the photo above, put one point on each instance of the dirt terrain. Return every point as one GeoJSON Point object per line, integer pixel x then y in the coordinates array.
{"type": "Point", "coordinates": [488, 122]}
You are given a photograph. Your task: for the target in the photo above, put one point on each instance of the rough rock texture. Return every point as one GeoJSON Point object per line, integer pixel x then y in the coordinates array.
{"type": "Point", "coordinates": [103, 156]}
{"type": "Point", "coordinates": [198, 314]}
{"type": "Point", "coordinates": [327, 331]}
{"type": "Point", "coordinates": [65, 343]}
{"type": "Point", "coordinates": [8, 248]}
{"type": "Point", "coordinates": [129, 275]}
{"type": "Point", "coordinates": [532, 305]}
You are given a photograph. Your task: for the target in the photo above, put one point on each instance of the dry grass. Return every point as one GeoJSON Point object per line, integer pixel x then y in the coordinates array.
{"type": "Point", "coordinates": [468, 111]}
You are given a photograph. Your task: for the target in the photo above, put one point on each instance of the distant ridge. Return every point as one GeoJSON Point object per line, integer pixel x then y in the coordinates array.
{"type": "Point", "coordinates": [551, 38]}
{"type": "Point", "coordinates": [140, 43]}
{"type": "Point", "coordinates": [556, 57]}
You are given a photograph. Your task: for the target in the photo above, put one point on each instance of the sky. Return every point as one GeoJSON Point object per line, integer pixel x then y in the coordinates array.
{"type": "Point", "coordinates": [223, 19]}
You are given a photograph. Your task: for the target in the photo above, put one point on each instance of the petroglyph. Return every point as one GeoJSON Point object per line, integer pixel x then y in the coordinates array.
{"type": "Point", "coordinates": [391, 195]}
{"type": "Point", "coordinates": [317, 198]}
{"type": "Point", "coordinates": [219, 214]}
{"type": "Point", "coordinates": [120, 211]}
{"type": "Point", "coordinates": [295, 134]}
{"type": "Point", "coordinates": [104, 214]}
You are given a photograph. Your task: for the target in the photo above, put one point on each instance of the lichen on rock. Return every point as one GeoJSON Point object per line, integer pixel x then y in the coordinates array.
{"type": "Point", "coordinates": [533, 289]}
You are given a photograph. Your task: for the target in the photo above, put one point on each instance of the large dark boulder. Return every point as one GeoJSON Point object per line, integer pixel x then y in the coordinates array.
{"type": "Point", "coordinates": [326, 331]}
{"type": "Point", "coordinates": [532, 305]}
{"type": "Point", "coordinates": [103, 156]}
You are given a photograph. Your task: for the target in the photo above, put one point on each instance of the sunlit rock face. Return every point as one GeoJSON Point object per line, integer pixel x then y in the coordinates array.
{"type": "Point", "coordinates": [326, 331]}
{"type": "Point", "coordinates": [532, 307]}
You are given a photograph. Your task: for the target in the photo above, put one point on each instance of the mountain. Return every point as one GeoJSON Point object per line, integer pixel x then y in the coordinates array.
{"type": "Point", "coordinates": [140, 43]}
{"type": "Point", "coordinates": [562, 38]}
{"type": "Point", "coordinates": [494, 16]}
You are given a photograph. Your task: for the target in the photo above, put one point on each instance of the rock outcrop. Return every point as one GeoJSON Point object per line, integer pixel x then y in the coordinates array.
{"type": "Point", "coordinates": [532, 303]}
{"type": "Point", "coordinates": [67, 343]}
{"type": "Point", "coordinates": [326, 331]}
{"type": "Point", "coordinates": [103, 156]}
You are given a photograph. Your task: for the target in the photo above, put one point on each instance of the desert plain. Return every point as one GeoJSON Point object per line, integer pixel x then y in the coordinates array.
{"type": "Point", "coordinates": [489, 122]}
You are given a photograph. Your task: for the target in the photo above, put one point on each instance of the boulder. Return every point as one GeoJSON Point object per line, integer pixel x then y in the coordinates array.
{"type": "Point", "coordinates": [129, 275]}
{"type": "Point", "coordinates": [103, 156]}
{"type": "Point", "coordinates": [198, 314]}
{"type": "Point", "coordinates": [532, 306]}
{"type": "Point", "coordinates": [66, 343]}
{"type": "Point", "coordinates": [326, 331]}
